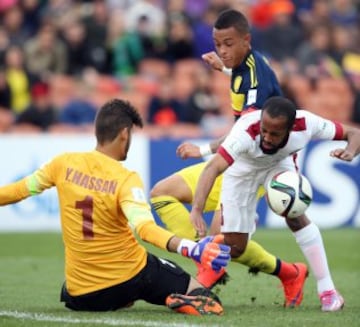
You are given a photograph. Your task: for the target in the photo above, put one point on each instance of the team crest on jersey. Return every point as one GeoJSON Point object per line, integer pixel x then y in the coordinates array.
{"type": "Point", "coordinates": [237, 83]}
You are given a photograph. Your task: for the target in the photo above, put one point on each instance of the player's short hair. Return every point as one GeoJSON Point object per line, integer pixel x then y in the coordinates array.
{"type": "Point", "coordinates": [232, 18]}
{"type": "Point", "coordinates": [114, 116]}
{"type": "Point", "coordinates": [279, 106]}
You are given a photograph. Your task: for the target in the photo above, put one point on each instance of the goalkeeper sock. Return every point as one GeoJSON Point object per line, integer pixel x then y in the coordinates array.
{"type": "Point", "coordinates": [174, 215]}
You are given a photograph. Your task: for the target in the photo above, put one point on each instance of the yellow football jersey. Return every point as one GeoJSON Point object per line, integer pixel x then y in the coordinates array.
{"type": "Point", "coordinates": [98, 199]}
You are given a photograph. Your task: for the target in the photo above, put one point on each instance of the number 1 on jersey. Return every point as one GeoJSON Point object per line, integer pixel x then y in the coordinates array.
{"type": "Point", "coordinates": [86, 206]}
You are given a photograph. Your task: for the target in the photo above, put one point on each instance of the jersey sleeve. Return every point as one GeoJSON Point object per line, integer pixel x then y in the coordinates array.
{"type": "Point", "coordinates": [14, 192]}
{"type": "Point", "coordinates": [237, 142]}
{"type": "Point", "coordinates": [133, 201]}
{"type": "Point", "coordinates": [40, 180]}
{"type": "Point", "coordinates": [322, 128]}
{"type": "Point", "coordinates": [239, 94]}
{"type": "Point", "coordinates": [137, 210]}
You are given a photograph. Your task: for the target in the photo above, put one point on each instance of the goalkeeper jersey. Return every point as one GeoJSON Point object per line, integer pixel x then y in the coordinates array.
{"type": "Point", "coordinates": [98, 199]}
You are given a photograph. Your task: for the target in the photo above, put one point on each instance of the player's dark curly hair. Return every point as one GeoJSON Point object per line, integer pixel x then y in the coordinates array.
{"type": "Point", "coordinates": [114, 116]}
{"type": "Point", "coordinates": [232, 18]}
{"type": "Point", "coordinates": [280, 106]}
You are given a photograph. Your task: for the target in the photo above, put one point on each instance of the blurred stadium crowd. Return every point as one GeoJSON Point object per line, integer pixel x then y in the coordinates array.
{"type": "Point", "coordinates": [61, 59]}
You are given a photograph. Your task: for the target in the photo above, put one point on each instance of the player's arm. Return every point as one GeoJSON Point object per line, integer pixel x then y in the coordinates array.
{"type": "Point", "coordinates": [214, 61]}
{"type": "Point", "coordinates": [215, 167]}
{"type": "Point", "coordinates": [188, 150]}
{"type": "Point", "coordinates": [325, 129]}
{"type": "Point", "coordinates": [209, 251]}
{"type": "Point", "coordinates": [28, 186]}
{"type": "Point", "coordinates": [352, 149]}
{"type": "Point", "coordinates": [142, 221]}
{"type": "Point", "coordinates": [14, 192]}
{"type": "Point", "coordinates": [138, 212]}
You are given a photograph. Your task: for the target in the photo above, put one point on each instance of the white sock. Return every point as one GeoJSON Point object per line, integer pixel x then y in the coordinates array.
{"type": "Point", "coordinates": [311, 244]}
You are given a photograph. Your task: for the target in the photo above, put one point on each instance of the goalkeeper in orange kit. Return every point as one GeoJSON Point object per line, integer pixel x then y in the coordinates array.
{"type": "Point", "coordinates": [105, 266]}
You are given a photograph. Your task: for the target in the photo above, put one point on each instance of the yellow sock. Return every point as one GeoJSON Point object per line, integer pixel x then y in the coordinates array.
{"type": "Point", "coordinates": [257, 258]}
{"type": "Point", "coordinates": [174, 215]}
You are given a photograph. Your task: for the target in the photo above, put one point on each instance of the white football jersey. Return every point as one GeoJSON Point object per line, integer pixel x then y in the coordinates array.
{"type": "Point", "coordinates": [241, 148]}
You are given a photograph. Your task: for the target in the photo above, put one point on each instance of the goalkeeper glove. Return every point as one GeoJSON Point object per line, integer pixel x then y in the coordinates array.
{"type": "Point", "coordinates": [207, 251]}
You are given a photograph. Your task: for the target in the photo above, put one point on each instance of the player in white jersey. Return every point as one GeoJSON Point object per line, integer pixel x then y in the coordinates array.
{"type": "Point", "coordinates": [261, 144]}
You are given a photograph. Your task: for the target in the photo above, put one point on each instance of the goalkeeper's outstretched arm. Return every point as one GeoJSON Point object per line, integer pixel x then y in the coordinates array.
{"type": "Point", "coordinates": [205, 251]}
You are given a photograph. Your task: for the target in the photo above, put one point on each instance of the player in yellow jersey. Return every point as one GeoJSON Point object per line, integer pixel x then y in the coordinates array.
{"type": "Point", "coordinates": [105, 266]}
{"type": "Point", "coordinates": [252, 82]}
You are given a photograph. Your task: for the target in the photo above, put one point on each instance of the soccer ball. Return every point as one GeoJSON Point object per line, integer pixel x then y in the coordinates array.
{"type": "Point", "coordinates": [289, 194]}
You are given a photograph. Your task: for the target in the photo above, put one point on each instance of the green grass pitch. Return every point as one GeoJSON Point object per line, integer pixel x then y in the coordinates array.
{"type": "Point", "coordinates": [31, 274]}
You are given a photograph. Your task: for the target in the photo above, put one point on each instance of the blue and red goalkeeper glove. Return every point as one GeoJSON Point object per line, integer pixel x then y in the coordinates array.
{"type": "Point", "coordinates": [208, 251]}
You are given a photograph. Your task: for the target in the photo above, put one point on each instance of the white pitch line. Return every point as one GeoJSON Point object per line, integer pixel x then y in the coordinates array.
{"type": "Point", "coordinates": [105, 321]}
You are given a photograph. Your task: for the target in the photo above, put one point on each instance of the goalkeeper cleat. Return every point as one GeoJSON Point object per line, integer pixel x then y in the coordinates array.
{"type": "Point", "coordinates": [293, 288]}
{"type": "Point", "coordinates": [331, 301]}
{"type": "Point", "coordinates": [194, 305]}
{"type": "Point", "coordinates": [209, 277]}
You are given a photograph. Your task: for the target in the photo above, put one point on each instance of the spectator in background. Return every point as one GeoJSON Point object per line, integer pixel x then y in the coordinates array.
{"type": "Point", "coordinates": [150, 9]}
{"type": "Point", "coordinates": [153, 46]}
{"type": "Point", "coordinates": [314, 54]}
{"type": "Point", "coordinates": [126, 46]}
{"type": "Point", "coordinates": [79, 113]}
{"type": "Point", "coordinates": [351, 67]}
{"type": "Point", "coordinates": [202, 106]}
{"type": "Point", "coordinates": [32, 15]}
{"type": "Point", "coordinates": [18, 79]}
{"type": "Point", "coordinates": [221, 5]}
{"type": "Point", "coordinates": [56, 11]}
{"type": "Point", "coordinates": [176, 7]}
{"type": "Point", "coordinates": [4, 44]}
{"type": "Point", "coordinates": [45, 53]}
{"type": "Point", "coordinates": [164, 109]}
{"type": "Point", "coordinates": [118, 4]}
{"type": "Point", "coordinates": [343, 43]}
{"type": "Point", "coordinates": [5, 92]}
{"type": "Point", "coordinates": [317, 13]}
{"type": "Point", "coordinates": [6, 4]}
{"type": "Point", "coordinates": [260, 14]}
{"type": "Point", "coordinates": [96, 26]}
{"type": "Point", "coordinates": [40, 114]}
{"type": "Point", "coordinates": [6, 114]}
{"type": "Point", "coordinates": [77, 51]}
{"type": "Point", "coordinates": [179, 43]}
{"type": "Point", "coordinates": [356, 89]}
{"type": "Point", "coordinates": [284, 75]}
{"type": "Point", "coordinates": [12, 21]}
{"type": "Point", "coordinates": [196, 9]}
{"type": "Point", "coordinates": [283, 36]}
{"type": "Point", "coordinates": [202, 32]}
{"type": "Point", "coordinates": [343, 12]}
